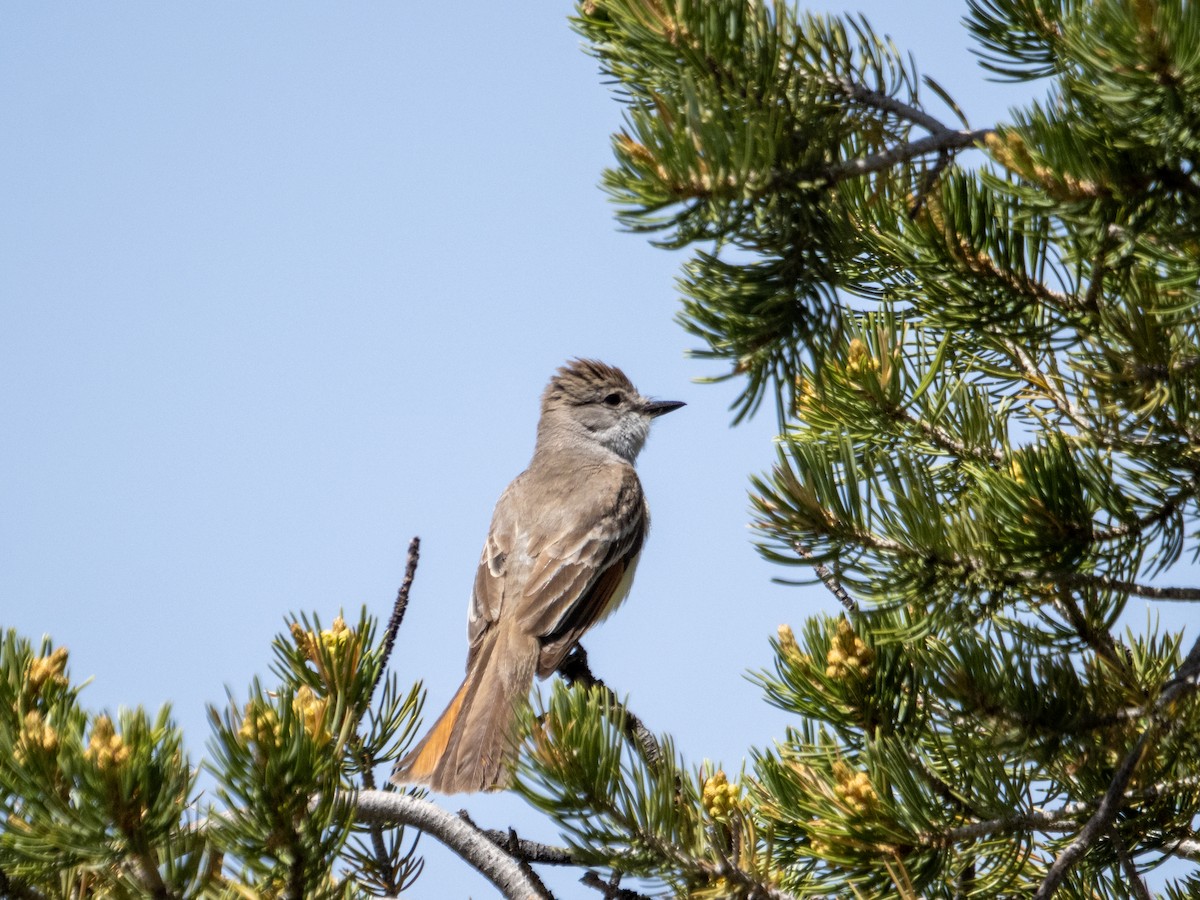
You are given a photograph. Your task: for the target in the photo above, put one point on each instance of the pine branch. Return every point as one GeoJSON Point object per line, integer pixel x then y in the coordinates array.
{"type": "Point", "coordinates": [473, 846]}
{"type": "Point", "coordinates": [1189, 849]}
{"type": "Point", "coordinates": [574, 668]}
{"type": "Point", "coordinates": [513, 844]}
{"type": "Point", "coordinates": [860, 93]}
{"type": "Point", "coordinates": [1099, 639]}
{"type": "Point", "coordinates": [1133, 878]}
{"type": "Point", "coordinates": [525, 850]}
{"type": "Point", "coordinates": [1184, 681]}
{"type": "Point", "coordinates": [942, 139]}
{"type": "Point", "coordinates": [1105, 582]}
{"type": "Point", "coordinates": [829, 580]}
{"type": "Point", "coordinates": [1038, 380]}
{"type": "Point", "coordinates": [1101, 821]}
{"type": "Point", "coordinates": [941, 142]}
{"type": "Point", "coordinates": [1064, 818]}
{"type": "Point", "coordinates": [611, 889]}
{"type": "Point", "coordinates": [383, 859]}
{"type": "Point", "coordinates": [1156, 516]}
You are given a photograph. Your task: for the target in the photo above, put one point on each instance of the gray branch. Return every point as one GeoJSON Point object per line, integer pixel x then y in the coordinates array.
{"type": "Point", "coordinates": [467, 841]}
{"type": "Point", "coordinates": [940, 142]}
{"type": "Point", "coordinates": [1141, 590]}
{"type": "Point", "coordinates": [867, 97]}
{"type": "Point", "coordinates": [1187, 848]}
{"type": "Point", "coordinates": [828, 579]}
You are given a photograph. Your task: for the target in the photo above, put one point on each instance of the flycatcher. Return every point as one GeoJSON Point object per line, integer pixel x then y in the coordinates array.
{"type": "Point", "coordinates": [559, 557]}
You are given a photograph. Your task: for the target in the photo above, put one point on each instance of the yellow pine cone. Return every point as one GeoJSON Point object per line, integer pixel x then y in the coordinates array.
{"type": "Point", "coordinates": [47, 668]}
{"type": "Point", "coordinates": [37, 737]}
{"type": "Point", "coordinates": [260, 725]}
{"type": "Point", "coordinates": [719, 796]}
{"type": "Point", "coordinates": [337, 637]}
{"type": "Point", "coordinates": [848, 655]}
{"type": "Point", "coordinates": [859, 359]}
{"type": "Point", "coordinates": [106, 749]}
{"type": "Point", "coordinates": [854, 788]}
{"type": "Point", "coordinates": [334, 640]}
{"type": "Point", "coordinates": [311, 711]}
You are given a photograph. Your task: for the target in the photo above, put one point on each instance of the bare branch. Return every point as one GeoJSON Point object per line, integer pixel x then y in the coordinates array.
{"type": "Point", "coordinates": [611, 889]}
{"type": "Point", "coordinates": [1187, 848]}
{"type": "Point", "coordinates": [526, 850]}
{"type": "Point", "coordinates": [1100, 821]}
{"type": "Point", "coordinates": [467, 841]}
{"type": "Point", "coordinates": [378, 847]}
{"type": "Point", "coordinates": [829, 580]}
{"type": "Point", "coordinates": [1132, 878]}
{"type": "Point", "coordinates": [860, 93]}
{"type": "Point", "coordinates": [398, 608]}
{"type": "Point", "coordinates": [940, 142]}
{"type": "Point", "coordinates": [1082, 579]}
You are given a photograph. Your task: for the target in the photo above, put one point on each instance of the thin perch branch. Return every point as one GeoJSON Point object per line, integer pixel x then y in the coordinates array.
{"type": "Point", "coordinates": [860, 93]}
{"type": "Point", "coordinates": [829, 580]}
{"type": "Point", "coordinates": [1132, 877]}
{"type": "Point", "coordinates": [528, 851]}
{"type": "Point", "coordinates": [941, 142]}
{"type": "Point", "coordinates": [574, 668]}
{"type": "Point", "coordinates": [1187, 848]}
{"type": "Point", "coordinates": [1106, 582]}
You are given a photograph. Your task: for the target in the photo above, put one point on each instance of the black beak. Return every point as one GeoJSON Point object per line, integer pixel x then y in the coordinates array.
{"type": "Point", "coordinates": [656, 408]}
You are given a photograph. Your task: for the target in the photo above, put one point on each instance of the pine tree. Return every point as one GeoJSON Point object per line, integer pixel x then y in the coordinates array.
{"type": "Point", "coordinates": [986, 371]}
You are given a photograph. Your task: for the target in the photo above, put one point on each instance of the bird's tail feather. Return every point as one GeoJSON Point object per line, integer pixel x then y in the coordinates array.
{"type": "Point", "coordinates": [472, 744]}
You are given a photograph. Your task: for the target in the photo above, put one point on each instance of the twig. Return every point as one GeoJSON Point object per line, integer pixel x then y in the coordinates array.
{"type": "Point", "coordinates": [574, 668]}
{"type": "Point", "coordinates": [378, 847]}
{"type": "Point", "coordinates": [1099, 639]}
{"type": "Point", "coordinates": [1082, 579]}
{"type": "Point", "coordinates": [828, 579]}
{"type": "Point", "coordinates": [1064, 818]}
{"type": "Point", "coordinates": [382, 858]}
{"type": "Point", "coordinates": [398, 609]}
{"type": "Point", "coordinates": [1186, 848]}
{"type": "Point", "coordinates": [529, 851]}
{"type": "Point", "coordinates": [1132, 876]}
{"type": "Point", "coordinates": [868, 97]}
{"type": "Point", "coordinates": [611, 889]}
{"type": "Point", "coordinates": [928, 180]}
{"type": "Point", "coordinates": [1187, 678]}
{"type": "Point", "coordinates": [940, 142]}
{"type": "Point", "coordinates": [473, 846]}
{"type": "Point", "coordinates": [512, 844]}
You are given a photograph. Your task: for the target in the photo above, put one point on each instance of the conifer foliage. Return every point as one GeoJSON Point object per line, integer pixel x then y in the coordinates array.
{"type": "Point", "coordinates": [986, 369]}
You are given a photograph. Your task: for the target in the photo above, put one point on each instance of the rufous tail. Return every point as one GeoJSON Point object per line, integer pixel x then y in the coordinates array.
{"type": "Point", "coordinates": [472, 745]}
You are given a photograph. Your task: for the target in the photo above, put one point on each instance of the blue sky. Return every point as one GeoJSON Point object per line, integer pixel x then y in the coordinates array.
{"type": "Point", "coordinates": [281, 285]}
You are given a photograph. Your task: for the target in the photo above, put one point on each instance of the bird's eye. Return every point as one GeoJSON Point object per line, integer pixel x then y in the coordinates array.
{"type": "Point", "coordinates": [612, 400]}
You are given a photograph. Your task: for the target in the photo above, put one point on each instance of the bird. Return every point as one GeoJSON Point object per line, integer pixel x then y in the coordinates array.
{"type": "Point", "coordinates": [560, 555]}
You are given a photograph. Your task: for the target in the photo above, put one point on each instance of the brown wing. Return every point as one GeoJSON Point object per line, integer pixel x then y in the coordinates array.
{"type": "Point", "coordinates": [560, 554]}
